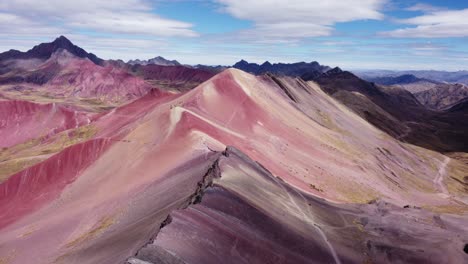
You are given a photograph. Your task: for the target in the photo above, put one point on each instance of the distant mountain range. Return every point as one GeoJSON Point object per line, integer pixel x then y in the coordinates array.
{"type": "Point", "coordinates": [289, 69]}
{"type": "Point", "coordinates": [439, 76]}
{"type": "Point", "coordinates": [396, 111]}
{"type": "Point", "coordinates": [157, 61]}
{"type": "Point", "coordinates": [433, 94]}
{"type": "Point", "coordinates": [214, 69]}
{"type": "Point", "coordinates": [401, 79]}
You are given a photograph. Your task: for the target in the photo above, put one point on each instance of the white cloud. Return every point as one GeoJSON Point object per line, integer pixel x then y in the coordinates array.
{"type": "Point", "coordinates": [132, 23]}
{"type": "Point", "coordinates": [123, 16]}
{"type": "Point", "coordinates": [12, 24]}
{"type": "Point", "coordinates": [435, 24]}
{"type": "Point", "coordinates": [297, 19]}
{"type": "Point", "coordinates": [110, 29]}
{"type": "Point", "coordinates": [121, 48]}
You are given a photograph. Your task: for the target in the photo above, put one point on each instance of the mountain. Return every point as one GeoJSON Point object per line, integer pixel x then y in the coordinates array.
{"type": "Point", "coordinates": [401, 79]}
{"type": "Point", "coordinates": [268, 167]}
{"type": "Point", "coordinates": [294, 69]}
{"type": "Point", "coordinates": [432, 94]}
{"type": "Point", "coordinates": [62, 71]}
{"type": "Point", "coordinates": [157, 61]}
{"type": "Point", "coordinates": [407, 81]}
{"type": "Point", "coordinates": [398, 112]}
{"type": "Point", "coordinates": [438, 76]}
{"type": "Point", "coordinates": [443, 96]}
{"type": "Point", "coordinates": [67, 77]}
{"type": "Point", "coordinates": [214, 69]}
{"type": "Point", "coordinates": [45, 50]}
{"type": "Point", "coordinates": [175, 78]}
{"type": "Point", "coordinates": [37, 120]}
{"type": "Point", "coordinates": [461, 107]}
{"type": "Point", "coordinates": [120, 163]}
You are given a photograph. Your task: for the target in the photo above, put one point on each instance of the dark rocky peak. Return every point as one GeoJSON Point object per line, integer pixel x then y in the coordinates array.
{"type": "Point", "coordinates": [297, 69]}
{"type": "Point", "coordinates": [247, 67]}
{"type": "Point", "coordinates": [241, 63]}
{"type": "Point", "coordinates": [335, 70]}
{"type": "Point", "coordinates": [45, 50]}
{"type": "Point", "coordinates": [9, 54]}
{"type": "Point", "coordinates": [315, 74]}
{"type": "Point", "coordinates": [62, 42]}
{"type": "Point", "coordinates": [408, 78]}
{"type": "Point", "coordinates": [314, 63]}
{"type": "Point", "coordinates": [335, 80]}
{"type": "Point", "coordinates": [310, 76]}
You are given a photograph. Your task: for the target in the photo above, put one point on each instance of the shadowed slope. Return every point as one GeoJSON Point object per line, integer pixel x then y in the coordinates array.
{"type": "Point", "coordinates": [443, 96]}
{"type": "Point", "coordinates": [398, 112]}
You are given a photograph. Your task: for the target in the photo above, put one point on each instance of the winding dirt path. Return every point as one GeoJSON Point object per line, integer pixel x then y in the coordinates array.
{"type": "Point", "coordinates": [330, 246]}
{"type": "Point", "coordinates": [438, 180]}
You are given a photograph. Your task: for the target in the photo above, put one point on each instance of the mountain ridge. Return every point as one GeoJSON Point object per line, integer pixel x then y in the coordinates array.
{"type": "Point", "coordinates": [159, 60]}
{"type": "Point", "coordinates": [45, 50]}
{"type": "Point", "coordinates": [289, 69]}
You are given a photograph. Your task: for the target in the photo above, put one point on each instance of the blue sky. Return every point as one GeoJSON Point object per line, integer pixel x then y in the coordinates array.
{"type": "Point", "coordinates": [366, 34]}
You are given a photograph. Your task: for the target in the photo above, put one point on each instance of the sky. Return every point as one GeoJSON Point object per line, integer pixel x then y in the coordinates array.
{"type": "Point", "coordinates": [364, 34]}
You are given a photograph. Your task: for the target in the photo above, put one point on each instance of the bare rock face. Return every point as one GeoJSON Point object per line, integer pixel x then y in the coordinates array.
{"type": "Point", "coordinates": [443, 96]}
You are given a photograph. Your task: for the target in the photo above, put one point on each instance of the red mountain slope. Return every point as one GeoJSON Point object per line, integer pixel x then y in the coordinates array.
{"type": "Point", "coordinates": [328, 181]}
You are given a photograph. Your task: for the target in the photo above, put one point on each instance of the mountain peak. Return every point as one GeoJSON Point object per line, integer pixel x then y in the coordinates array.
{"type": "Point", "coordinates": [335, 70]}
{"type": "Point", "coordinates": [62, 41]}
{"type": "Point", "coordinates": [45, 50]}
{"type": "Point", "coordinates": [242, 62]}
